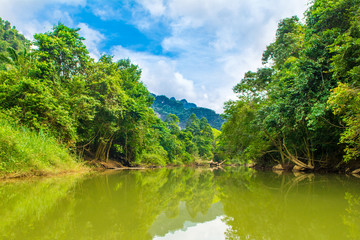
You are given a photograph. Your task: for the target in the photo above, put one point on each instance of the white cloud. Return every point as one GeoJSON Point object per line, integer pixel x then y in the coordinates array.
{"type": "Point", "coordinates": [214, 41]}
{"type": "Point", "coordinates": [92, 41]}
{"type": "Point", "coordinates": [24, 14]}
{"type": "Point", "coordinates": [214, 229]}
{"type": "Point", "coordinates": [155, 7]}
{"type": "Point", "coordinates": [162, 76]}
{"type": "Point", "coordinates": [184, 85]}
{"type": "Point", "coordinates": [217, 41]}
{"type": "Point", "coordinates": [106, 12]}
{"type": "Point", "coordinates": [159, 73]}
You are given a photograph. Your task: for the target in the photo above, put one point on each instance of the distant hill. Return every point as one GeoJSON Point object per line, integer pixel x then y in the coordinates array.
{"type": "Point", "coordinates": [183, 109]}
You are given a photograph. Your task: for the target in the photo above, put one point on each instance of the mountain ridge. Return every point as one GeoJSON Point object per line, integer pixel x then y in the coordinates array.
{"type": "Point", "coordinates": [183, 110]}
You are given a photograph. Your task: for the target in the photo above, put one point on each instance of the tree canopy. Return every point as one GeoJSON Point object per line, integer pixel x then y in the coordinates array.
{"type": "Point", "coordinates": [301, 108]}
{"type": "Point", "coordinates": [100, 110]}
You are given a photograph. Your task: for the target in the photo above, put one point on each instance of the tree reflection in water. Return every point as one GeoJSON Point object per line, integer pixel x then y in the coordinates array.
{"type": "Point", "coordinates": [144, 204]}
{"type": "Point", "coordinates": [352, 215]}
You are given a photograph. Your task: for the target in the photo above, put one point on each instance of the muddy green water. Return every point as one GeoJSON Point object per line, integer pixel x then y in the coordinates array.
{"type": "Point", "coordinates": [182, 203]}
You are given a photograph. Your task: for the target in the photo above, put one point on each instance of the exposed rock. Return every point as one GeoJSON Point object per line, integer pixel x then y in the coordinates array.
{"type": "Point", "coordinates": [183, 110]}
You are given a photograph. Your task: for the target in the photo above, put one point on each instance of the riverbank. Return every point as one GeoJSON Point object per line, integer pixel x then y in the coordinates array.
{"type": "Point", "coordinates": [25, 153]}
{"type": "Point", "coordinates": [39, 174]}
{"type": "Point", "coordinates": [89, 167]}
{"type": "Point", "coordinates": [354, 170]}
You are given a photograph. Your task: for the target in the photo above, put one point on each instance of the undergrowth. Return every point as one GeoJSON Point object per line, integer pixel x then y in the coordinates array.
{"type": "Point", "coordinates": [24, 151]}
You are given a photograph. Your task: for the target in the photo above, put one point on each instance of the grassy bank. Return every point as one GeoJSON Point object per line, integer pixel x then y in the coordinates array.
{"type": "Point", "coordinates": [26, 152]}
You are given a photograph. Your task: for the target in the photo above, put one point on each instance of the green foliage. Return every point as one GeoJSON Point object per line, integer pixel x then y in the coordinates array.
{"type": "Point", "coordinates": [283, 113]}
{"type": "Point", "coordinates": [345, 101]}
{"type": "Point", "coordinates": [173, 123]}
{"type": "Point", "coordinates": [288, 43]}
{"type": "Point", "coordinates": [241, 140]}
{"type": "Point", "coordinates": [99, 110]}
{"type": "Point", "coordinates": [63, 51]}
{"type": "Point", "coordinates": [10, 38]}
{"type": "Point", "coordinates": [23, 151]}
{"type": "Point", "coordinates": [202, 137]}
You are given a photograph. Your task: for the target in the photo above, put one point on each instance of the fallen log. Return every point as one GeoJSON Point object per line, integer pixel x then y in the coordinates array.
{"type": "Point", "coordinates": [216, 164]}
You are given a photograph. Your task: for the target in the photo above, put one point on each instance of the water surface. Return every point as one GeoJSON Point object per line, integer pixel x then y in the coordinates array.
{"type": "Point", "coordinates": [182, 203]}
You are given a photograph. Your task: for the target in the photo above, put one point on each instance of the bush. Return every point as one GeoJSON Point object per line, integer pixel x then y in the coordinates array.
{"type": "Point", "coordinates": [153, 159]}
{"type": "Point", "coordinates": [23, 150]}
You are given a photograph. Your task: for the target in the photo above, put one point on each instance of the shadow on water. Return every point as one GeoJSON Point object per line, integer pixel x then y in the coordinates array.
{"type": "Point", "coordinates": [164, 202]}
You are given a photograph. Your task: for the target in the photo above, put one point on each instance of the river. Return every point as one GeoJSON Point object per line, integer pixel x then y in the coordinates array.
{"type": "Point", "coordinates": [182, 203]}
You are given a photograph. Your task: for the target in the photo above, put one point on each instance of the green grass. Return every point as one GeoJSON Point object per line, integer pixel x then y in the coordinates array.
{"type": "Point", "coordinates": [24, 151]}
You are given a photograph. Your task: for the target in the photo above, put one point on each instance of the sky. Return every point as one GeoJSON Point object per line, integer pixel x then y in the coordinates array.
{"type": "Point", "coordinates": [193, 49]}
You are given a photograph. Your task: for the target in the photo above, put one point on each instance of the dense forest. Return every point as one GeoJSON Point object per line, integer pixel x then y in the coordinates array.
{"type": "Point", "coordinates": [302, 107]}
{"type": "Point", "coordinates": [163, 106]}
{"type": "Point", "coordinates": [59, 106]}
{"type": "Point", "coordinates": [53, 92]}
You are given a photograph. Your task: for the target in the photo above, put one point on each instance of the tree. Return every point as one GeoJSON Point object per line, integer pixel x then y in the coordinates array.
{"type": "Point", "coordinates": [62, 51]}
{"type": "Point", "coordinates": [287, 104]}
{"type": "Point", "coordinates": [173, 124]}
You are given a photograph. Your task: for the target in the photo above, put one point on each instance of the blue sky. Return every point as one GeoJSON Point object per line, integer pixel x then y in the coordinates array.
{"type": "Point", "coordinates": [193, 49]}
